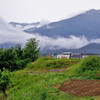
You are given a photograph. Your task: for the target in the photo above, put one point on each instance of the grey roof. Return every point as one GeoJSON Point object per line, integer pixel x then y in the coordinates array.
{"type": "Point", "coordinates": [67, 52]}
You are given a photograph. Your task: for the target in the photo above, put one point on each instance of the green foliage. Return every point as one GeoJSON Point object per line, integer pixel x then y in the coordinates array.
{"type": "Point", "coordinates": [26, 86]}
{"type": "Point", "coordinates": [38, 63]}
{"type": "Point", "coordinates": [59, 63]}
{"type": "Point", "coordinates": [31, 50]}
{"type": "Point", "coordinates": [17, 58]}
{"type": "Point", "coordinates": [11, 58]}
{"type": "Point", "coordinates": [90, 63]}
{"type": "Point", "coordinates": [19, 52]}
{"type": "Point", "coordinates": [87, 67]}
{"type": "Point", "coordinates": [39, 87]}
{"type": "Point", "coordinates": [49, 62]}
{"type": "Point", "coordinates": [4, 80]}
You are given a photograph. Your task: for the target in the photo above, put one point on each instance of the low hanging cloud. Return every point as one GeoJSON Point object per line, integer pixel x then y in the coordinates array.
{"type": "Point", "coordinates": [9, 34]}
{"type": "Point", "coordinates": [61, 42]}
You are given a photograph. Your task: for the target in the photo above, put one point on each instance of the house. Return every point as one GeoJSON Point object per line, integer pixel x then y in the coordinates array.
{"type": "Point", "coordinates": [65, 55]}
{"type": "Point", "coordinates": [77, 55]}
{"type": "Point", "coordinates": [85, 56]}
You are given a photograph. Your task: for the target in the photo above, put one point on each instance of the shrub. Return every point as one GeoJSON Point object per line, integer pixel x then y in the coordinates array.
{"type": "Point", "coordinates": [91, 63]}
{"type": "Point", "coordinates": [88, 67]}
{"type": "Point", "coordinates": [4, 81]}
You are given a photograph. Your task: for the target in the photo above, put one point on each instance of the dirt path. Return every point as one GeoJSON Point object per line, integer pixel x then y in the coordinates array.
{"type": "Point", "coordinates": [81, 87]}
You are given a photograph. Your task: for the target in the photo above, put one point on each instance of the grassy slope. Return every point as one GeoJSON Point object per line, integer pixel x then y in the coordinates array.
{"type": "Point", "coordinates": [88, 68]}
{"type": "Point", "coordinates": [50, 63]}
{"type": "Point", "coordinates": [39, 87]}
{"type": "Point", "coordinates": [26, 86]}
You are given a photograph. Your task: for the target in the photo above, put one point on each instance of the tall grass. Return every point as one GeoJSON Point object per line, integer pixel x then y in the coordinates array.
{"type": "Point", "coordinates": [40, 87]}
{"type": "Point", "coordinates": [48, 62]}
{"type": "Point", "coordinates": [87, 67]}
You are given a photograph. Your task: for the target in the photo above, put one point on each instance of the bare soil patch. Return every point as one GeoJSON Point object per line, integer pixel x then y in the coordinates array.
{"type": "Point", "coordinates": [79, 87]}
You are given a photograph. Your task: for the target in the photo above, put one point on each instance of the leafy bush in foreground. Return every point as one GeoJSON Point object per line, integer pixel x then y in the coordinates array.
{"type": "Point", "coordinates": [88, 67]}
{"type": "Point", "coordinates": [90, 64]}
{"type": "Point", "coordinates": [4, 81]}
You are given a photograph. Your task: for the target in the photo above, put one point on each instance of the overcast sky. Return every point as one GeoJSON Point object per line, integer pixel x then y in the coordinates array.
{"type": "Point", "coordinates": [36, 10]}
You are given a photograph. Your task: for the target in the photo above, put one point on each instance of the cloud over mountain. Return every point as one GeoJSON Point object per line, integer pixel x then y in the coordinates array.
{"type": "Point", "coordinates": [61, 42]}
{"type": "Point", "coordinates": [9, 34]}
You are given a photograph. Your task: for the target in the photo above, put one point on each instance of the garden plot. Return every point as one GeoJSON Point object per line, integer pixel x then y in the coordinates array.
{"type": "Point", "coordinates": [81, 88]}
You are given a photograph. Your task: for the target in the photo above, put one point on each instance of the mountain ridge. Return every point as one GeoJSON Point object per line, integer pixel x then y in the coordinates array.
{"type": "Point", "coordinates": [93, 48]}
{"type": "Point", "coordinates": [87, 24]}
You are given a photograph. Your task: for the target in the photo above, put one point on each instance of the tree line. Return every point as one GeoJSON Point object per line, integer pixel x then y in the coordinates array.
{"type": "Point", "coordinates": [16, 58]}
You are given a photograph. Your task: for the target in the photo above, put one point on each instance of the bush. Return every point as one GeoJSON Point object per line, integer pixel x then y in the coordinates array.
{"type": "Point", "coordinates": [91, 63]}
{"type": "Point", "coordinates": [4, 80]}
{"type": "Point", "coordinates": [87, 67]}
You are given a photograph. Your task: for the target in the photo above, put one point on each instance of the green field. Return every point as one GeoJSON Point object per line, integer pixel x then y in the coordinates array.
{"type": "Point", "coordinates": [37, 80]}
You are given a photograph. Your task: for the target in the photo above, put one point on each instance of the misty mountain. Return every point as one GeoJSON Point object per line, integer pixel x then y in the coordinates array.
{"type": "Point", "coordinates": [23, 25]}
{"type": "Point", "coordinates": [70, 32]}
{"type": "Point", "coordinates": [90, 48]}
{"type": "Point", "coordinates": [8, 45]}
{"type": "Point", "coordinates": [87, 24]}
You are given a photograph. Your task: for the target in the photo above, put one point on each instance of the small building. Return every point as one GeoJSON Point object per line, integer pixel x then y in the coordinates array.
{"type": "Point", "coordinates": [77, 55]}
{"type": "Point", "coordinates": [85, 56]}
{"type": "Point", "coordinates": [65, 55]}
